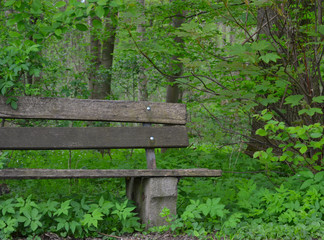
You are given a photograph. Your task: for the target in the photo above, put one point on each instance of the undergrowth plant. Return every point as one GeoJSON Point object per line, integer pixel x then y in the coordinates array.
{"type": "Point", "coordinates": [26, 217]}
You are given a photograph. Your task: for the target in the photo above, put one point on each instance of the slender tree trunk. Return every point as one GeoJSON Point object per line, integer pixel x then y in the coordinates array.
{"type": "Point", "coordinates": [142, 77]}
{"type": "Point", "coordinates": [108, 46]}
{"type": "Point", "coordinates": [176, 67]}
{"type": "Point", "coordinates": [95, 54]}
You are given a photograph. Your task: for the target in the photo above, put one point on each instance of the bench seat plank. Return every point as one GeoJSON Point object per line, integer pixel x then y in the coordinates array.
{"type": "Point", "coordinates": [92, 138]}
{"type": "Point", "coordinates": [94, 110]}
{"type": "Point", "coordinates": [104, 173]}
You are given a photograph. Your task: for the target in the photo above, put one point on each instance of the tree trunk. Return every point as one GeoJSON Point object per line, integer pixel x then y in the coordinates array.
{"type": "Point", "coordinates": [176, 67]}
{"type": "Point", "coordinates": [95, 54]}
{"type": "Point", "coordinates": [108, 46]}
{"type": "Point", "coordinates": [142, 77]}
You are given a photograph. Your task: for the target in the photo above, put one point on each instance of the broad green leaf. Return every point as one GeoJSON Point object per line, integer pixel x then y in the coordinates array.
{"type": "Point", "coordinates": [310, 111]}
{"type": "Point", "coordinates": [282, 83]}
{"type": "Point", "coordinates": [261, 45]}
{"type": "Point", "coordinates": [319, 99]}
{"type": "Point", "coordinates": [270, 57]}
{"type": "Point", "coordinates": [14, 34]}
{"type": "Point", "coordinates": [319, 176]}
{"type": "Point", "coordinates": [116, 3]}
{"type": "Point", "coordinates": [306, 174]}
{"type": "Point", "coordinates": [60, 4]}
{"type": "Point", "coordinates": [306, 184]}
{"type": "Point", "coordinates": [38, 36]}
{"type": "Point", "coordinates": [58, 32]}
{"type": "Point", "coordinates": [96, 23]}
{"type": "Point", "coordinates": [316, 135]}
{"type": "Point", "coordinates": [293, 100]}
{"type": "Point", "coordinates": [81, 27]}
{"type": "Point", "coordinates": [303, 149]}
{"type": "Point", "coordinates": [100, 12]}
{"type": "Point", "coordinates": [9, 3]}
{"type": "Point", "coordinates": [321, 29]}
{"type": "Point", "coordinates": [14, 105]}
{"type": "Point", "coordinates": [261, 132]}
{"type": "Point", "coordinates": [89, 8]}
{"type": "Point", "coordinates": [102, 2]}
{"type": "Point", "coordinates": [33, 226]}
{"type": "Point", "coordinates": [36, 5]}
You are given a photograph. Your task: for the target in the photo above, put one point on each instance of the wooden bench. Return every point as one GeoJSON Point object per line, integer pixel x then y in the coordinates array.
{"type": "Point", "coordinates": [152, 189]}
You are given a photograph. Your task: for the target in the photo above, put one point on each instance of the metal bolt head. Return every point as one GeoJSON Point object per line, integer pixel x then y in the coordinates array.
{"type": "Point", "coordinates": [151, 138]}
{"type": "Point", "coordinates": [148, 108]}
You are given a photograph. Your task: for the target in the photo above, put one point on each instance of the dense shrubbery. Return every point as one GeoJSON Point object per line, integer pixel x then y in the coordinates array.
{"type": "Point", "coordinates": [247, 202]}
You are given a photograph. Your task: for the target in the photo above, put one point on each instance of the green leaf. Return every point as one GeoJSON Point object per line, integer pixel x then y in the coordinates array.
{"type": "Point", "coordinates": [270, 57]}
{"type": "Point", "coordinates": [89, 8]}
{"type": "Point", "coordinates": [310, 111]}
{"type": "Point", "coordinates": [261, 132]}
{"type": "Point", "coordinates": [81, 27]}
{"type": "Point", "coordinates": [96, 23]}
{"type": "Point", "coordinates": [316, 135]}
{"type": "Point", "coordinates": [100, 12]}
{"type": "Point", "coordinates": [261, 45]}
{"type": "Point", "coordinates": [321, 29]}
{"type": "Point", "coordinates": [102, 2]}
{"type": "Point", "coordinates": [294, 100]}
{"type": "Point", "coordinates": [303, 149]}
{"type": "Point", "coordinates": [34, 226]}
{"type": "Point", "coordinates": [58, 32]}
{"type": "Point", "coordinates": [319, 99]}
{"type": "Point", "coordinates": [60, 4]}
{"type": "Point", "coordinates": [14, 34]}
{"type": "Point", "coordinates": [319, 176]}
{"type": "Point", "coordinates": [306, 184]}
{"type": "Point", "coordinates": [306, 174]}
{"type": "Point", "coordinates": [14, 105]}
{"type": "Point", "coordinates": [36, 5]}
{"type": "Point", "coordinates": [116, 3]}
{"type": "Point", "coordinates": [9, 3]}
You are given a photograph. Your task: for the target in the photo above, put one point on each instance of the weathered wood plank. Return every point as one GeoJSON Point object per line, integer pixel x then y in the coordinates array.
{"type": "Point", "coordinates": [109, 173]}
{"type": "Point", "coordinates": [94, 110]}
{"type": "Point", "coordinates": [93, 138]}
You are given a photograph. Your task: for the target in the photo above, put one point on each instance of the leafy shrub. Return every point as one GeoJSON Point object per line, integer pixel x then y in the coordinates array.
{"type": "Point", "coordinates": [25, 217]}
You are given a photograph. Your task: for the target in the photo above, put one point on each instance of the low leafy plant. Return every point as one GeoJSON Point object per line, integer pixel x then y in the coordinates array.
{"type": "Point", "coordinates": [25, 217]}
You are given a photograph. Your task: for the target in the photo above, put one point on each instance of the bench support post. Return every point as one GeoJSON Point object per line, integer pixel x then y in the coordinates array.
{"type": "Point", "coordinates": [151, 195]}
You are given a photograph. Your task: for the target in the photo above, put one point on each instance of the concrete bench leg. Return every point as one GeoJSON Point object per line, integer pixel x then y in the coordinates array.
{"type": "Point", "coordinates": [151, 195]}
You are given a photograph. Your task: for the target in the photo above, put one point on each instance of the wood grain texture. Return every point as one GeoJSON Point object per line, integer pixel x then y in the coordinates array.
{"type": "Point", "coordinates": [110, 173]}
{"type": "Point", "coordinates": [95, 110]}
{"type": "Point", "coordinates": [92, 138]}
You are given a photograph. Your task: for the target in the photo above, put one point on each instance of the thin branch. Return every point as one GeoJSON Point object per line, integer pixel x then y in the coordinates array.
{"type": "Point", "coordinates": [229, 130]}
{"type": "Point", "coordinates": [235, 20]}
{"type": "Point", "coordinates": [205, 86]}
{"type": "Point", "coordinates": [258, 30]}
{"type": "Point", "coordinates": [211, 79]}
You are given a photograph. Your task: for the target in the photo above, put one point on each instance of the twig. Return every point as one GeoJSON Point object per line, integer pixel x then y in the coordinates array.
{"type": "Point", "coordinates": [229, 130]}
{"type": "Point", "coordinates": [258, 30]}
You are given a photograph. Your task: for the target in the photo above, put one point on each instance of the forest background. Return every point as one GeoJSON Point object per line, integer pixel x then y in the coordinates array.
{"type": "Point", "coordinates": [250, 73]}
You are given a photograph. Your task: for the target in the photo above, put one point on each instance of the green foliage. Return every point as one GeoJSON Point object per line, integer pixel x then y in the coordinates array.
{"type": "Point", "coordinates": [29, 218]}
{"type": "Point", "coordinates": [300, 146]}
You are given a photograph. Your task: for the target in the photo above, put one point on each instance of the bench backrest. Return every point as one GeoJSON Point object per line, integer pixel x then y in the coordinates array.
{"type": "Point", "coordinates": [148, 137]}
